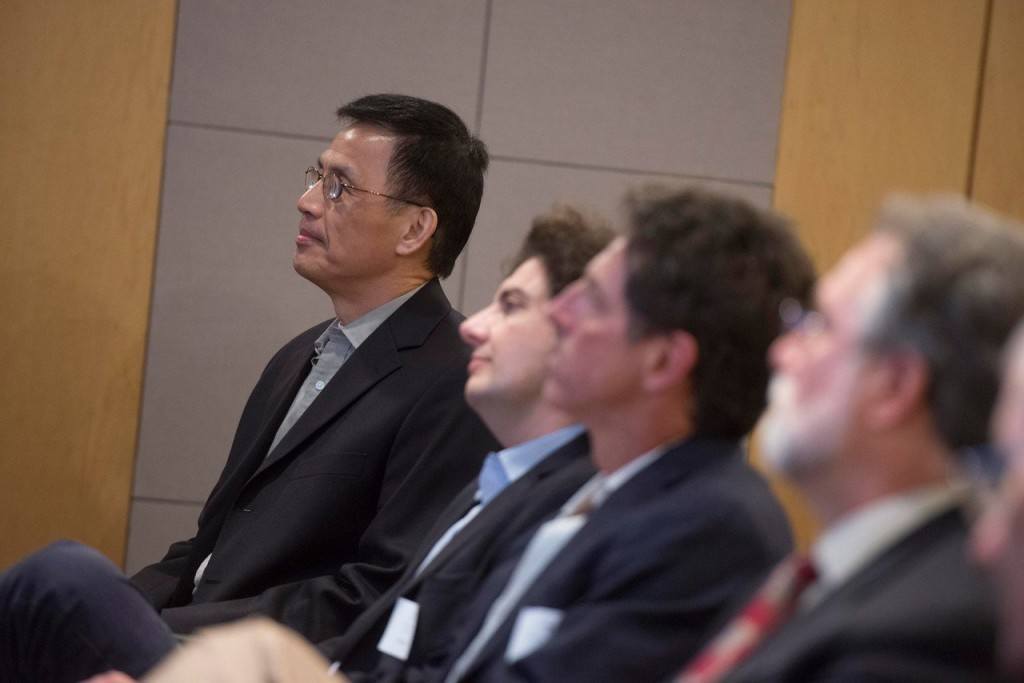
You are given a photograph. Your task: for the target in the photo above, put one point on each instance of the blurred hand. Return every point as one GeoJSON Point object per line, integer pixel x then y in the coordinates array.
{"type": "Point", "coordinates": [111, 677]}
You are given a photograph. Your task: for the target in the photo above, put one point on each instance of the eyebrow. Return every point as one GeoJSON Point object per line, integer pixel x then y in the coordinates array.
{"type": "Point", "coordinates": [341, 169]}
{"type": "Point", "coordinates": [513, 293]}
{"type": "Point", "coordinates": [593, 291]}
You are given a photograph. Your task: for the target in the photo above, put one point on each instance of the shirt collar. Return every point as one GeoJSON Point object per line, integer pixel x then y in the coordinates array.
{"type": "Point", "coordinates": [864, 534]}
{"type": "Point", "coordinates": [507, 465]}
{"type": "Point", "coordinates": [357, 331]}
{"type": "Point", "coordinates": [602, 485]}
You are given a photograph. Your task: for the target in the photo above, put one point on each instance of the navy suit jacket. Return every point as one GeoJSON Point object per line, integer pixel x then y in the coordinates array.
{"type": "Point", "coordinates": [641, 585]}
{"type": "Point", "coordinates": [920, 612]}
{"type": "Point", "coordinates": [352, 488]}
{"type": "Point", "coordinates": [444, 586]}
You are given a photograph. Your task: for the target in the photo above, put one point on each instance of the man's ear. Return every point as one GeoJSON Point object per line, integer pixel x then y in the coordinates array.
{"type": "Point", "coordinates": [898, 387]}
{"type": "Point", "coordinates": [669, 359]}
{"type": "Point", "coordinates": [418, 231]}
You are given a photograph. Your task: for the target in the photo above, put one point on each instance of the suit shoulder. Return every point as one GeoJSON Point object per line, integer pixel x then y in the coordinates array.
{"type": "Point", "coordinates": [734, 496]}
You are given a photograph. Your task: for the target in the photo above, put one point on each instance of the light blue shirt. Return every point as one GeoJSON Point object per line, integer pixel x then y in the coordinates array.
{"type": "Point", "coordinates": [499, 470]}
{"type": "Point", "coordinates": [549, 539]}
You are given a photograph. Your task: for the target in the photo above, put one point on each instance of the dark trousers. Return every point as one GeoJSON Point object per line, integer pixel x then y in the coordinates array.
{"type": "Point", "coordinates": [67, 613]}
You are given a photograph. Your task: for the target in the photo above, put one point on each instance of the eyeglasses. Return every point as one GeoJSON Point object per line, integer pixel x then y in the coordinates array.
{"type": "Point", "coordinates": [334, 187]}
{"type": "Point", "coordinates": [795, 317]}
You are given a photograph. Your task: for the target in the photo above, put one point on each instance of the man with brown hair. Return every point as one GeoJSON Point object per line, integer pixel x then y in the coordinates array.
{"type": "Point", "coordinates": [662, 356]}
{"type": "Point", "coordinates": [874, 394]}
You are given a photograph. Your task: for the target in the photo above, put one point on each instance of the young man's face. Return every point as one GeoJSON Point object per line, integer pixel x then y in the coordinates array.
{"type": "Point", "coordinates": [595, 366]}
{"type": "Point", "coordinates": [511, 339]}
{"type": "Point", "coordinates": [347, 242]}
{"type": "Point", "coordinates": [812, 403]}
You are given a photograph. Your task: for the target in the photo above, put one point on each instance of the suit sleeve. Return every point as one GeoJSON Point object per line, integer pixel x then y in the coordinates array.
{"type": "Point", "coordinates": [646, 607]}
{"type": "Point", "coordinates": [158, 582]}
{"type": "Point", "coordinates": [437, 449]}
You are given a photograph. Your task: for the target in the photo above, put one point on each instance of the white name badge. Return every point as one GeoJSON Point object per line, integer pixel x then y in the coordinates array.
{"type": "Point", "coordinates": [401, 629]}
{"type": "Point", "coordinates": [533, 628]}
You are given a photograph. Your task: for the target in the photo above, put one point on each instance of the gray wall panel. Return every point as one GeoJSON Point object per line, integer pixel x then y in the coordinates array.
{"type": "Point", "coordinates": [674, 86]}
{"type": "Point", "coordinates": [286, 66]}
{"type": "Point", "coordinates": [153, 526]}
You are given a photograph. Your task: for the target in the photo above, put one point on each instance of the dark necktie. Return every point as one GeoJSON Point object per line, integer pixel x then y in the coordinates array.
{"type": "Point", "coordinates": [770, 607]}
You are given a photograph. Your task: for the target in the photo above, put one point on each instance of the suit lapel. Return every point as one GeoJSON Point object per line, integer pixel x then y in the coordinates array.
{"type": "Point", "coordinates": [504, 505]}
{"type": "Point", "coordinates": [677, 464]}
{"type": "Point", "coordinates": [375, 359]}
{"type": "Point", "coordinates": [462, 504]}
{"type": "Point", "coordinates": [824, 619]}
{"type": "Point", "coordinates": [906, 550]}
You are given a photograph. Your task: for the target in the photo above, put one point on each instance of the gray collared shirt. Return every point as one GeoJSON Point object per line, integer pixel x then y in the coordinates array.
{"type": "Point", "coordinates": [332, 349]}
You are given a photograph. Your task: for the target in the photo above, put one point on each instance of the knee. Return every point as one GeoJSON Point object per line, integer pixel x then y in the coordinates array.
{"type": "Point", "coordinates": [56, 569]}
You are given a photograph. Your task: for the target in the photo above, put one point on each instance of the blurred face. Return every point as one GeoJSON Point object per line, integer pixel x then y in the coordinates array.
{"type": "Point", "coordinates": [348, 242]}
{"type": "Point", "coordinates": [812, 399]}
{"type": "Point", "coordinates": [595, 366]}
{"type": "Point", "coordinates": [511, 339]}
{"type": "Point", "coordinates": [998, 541]}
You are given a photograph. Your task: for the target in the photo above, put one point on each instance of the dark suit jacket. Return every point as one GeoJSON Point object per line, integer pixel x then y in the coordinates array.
{"type": "Point", "coordinates": [350, 491]}
{"type": "Point", "coordinates": [920, 612]}
{"type": "Point", "coordinates": [449, 581]}
{"type": "Point", "coordinates": [642, 583]}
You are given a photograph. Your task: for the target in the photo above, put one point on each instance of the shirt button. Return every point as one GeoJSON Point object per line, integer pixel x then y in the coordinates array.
{"type": "Point", "coordinates": [319, 384]}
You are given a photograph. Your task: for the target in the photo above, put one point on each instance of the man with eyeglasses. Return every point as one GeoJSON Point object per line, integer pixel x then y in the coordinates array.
{"type": "Point", "coordinates": [661, 356]}
{"type": "Point", "coordinates": [543, 462]}
{"type": "Point", "coordinates": [873, 398]}
{"type": "Point", "coordinates": [357, 433]}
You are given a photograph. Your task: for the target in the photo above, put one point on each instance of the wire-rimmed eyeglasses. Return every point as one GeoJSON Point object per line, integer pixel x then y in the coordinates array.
{"type": "Point", "coordinates": [794, 317]}
{"type": "Point", "coordinates": [334, 186]}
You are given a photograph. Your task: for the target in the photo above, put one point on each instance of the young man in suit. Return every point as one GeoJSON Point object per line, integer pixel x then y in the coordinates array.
{"type": "Point", "coordinates": [874, 393]}
{"type": "Point", "coordinates": [544, 461]}
{"type": "Point", "coordinates": [357, 434]}
{"type": "Point", "coordinates": [661, 356]}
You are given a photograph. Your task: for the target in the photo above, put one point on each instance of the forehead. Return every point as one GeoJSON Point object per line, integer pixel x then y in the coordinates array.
{"type": "Point", "coordinates": [360, 149]}
{"type": "Point", "coordinates": [858, 279]}
{"type": "Point", "coordinates": [608, 268]}
{"type": "Point", "coordinates": [530, 277]}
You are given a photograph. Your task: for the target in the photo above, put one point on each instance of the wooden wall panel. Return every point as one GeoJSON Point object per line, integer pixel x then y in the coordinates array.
{"type": "Point", "coordinates": [999, 161]}
{"type": "Point", "coordinates": [83, 102]}
{"type": "Point", "coordinates": [880, 95]}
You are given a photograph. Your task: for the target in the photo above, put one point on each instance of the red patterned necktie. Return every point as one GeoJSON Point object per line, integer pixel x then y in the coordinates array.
{"type": "Point", "coordinates": [770, 607]}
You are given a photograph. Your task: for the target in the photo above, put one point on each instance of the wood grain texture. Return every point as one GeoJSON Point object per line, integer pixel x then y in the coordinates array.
{"type": "Point", "coordinates": [999, 160]}
{"type": "Point", "coordinates": [84, 89]}
{"type": "Point", "coordinates": [880, 96]}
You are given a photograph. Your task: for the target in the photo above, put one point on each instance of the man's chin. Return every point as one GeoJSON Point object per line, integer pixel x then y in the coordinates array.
{"type": "Point", "coordinates": [306, 269]}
